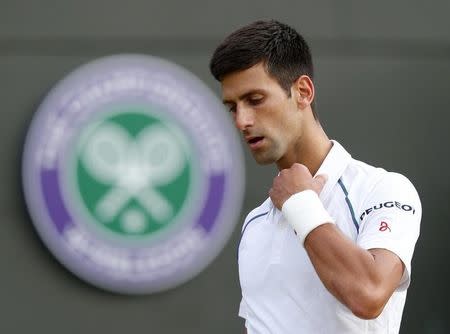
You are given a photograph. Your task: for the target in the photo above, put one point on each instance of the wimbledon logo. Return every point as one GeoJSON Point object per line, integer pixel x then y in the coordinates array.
{"type": "Point", "coordinates": [133, 174]}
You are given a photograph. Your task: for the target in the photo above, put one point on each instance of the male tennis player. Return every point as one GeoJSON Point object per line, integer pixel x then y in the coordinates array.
{"type": "Point", "coordinates": [330, 250]}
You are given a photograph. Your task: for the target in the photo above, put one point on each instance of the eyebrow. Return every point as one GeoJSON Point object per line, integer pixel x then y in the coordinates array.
{"type": "Point", "coordinates": [245, 95]}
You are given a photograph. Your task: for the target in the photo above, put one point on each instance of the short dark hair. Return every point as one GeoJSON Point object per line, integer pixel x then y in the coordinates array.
{"type": "Point", "coordinates": [284, 51]}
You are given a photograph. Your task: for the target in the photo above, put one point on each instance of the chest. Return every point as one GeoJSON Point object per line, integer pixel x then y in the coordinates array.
{"type": "Point", "coordinates": [271, 257]}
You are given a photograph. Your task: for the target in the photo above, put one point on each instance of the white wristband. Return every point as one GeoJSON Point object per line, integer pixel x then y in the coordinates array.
{"type": "Point", "coordinates": [304, 212]}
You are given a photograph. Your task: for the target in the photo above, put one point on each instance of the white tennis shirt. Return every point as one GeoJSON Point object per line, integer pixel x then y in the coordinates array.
{"type": "Point", "coordinates": [282, 293]}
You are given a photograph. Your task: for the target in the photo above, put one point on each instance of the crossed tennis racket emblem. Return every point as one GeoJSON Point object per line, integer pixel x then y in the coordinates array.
{"type": "Point", "coordinates": [134, 167]}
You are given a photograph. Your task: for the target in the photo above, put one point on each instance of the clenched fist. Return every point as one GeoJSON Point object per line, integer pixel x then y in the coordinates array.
{"type": "Point", "coordinates": [293, 180]}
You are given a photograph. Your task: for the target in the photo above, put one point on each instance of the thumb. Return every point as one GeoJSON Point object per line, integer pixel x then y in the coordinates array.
{"type": "Point", "coordinates": [320, 181]}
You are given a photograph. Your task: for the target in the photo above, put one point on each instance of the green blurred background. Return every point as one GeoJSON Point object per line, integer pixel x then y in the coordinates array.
{"type": "Point", "coordinates": [382, 74]}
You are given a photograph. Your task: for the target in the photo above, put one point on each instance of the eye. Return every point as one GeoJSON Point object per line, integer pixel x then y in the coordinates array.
{"type": "Point", "coordinates": [255, 100]}
{"type": "Point", "coordinates": [231, 108]}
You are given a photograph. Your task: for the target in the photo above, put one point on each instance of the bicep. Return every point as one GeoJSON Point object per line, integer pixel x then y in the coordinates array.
{"type": "Point", "coordinates": [389, 268]}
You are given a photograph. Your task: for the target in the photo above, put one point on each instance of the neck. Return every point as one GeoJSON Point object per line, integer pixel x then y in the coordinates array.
{"type": "Point", "coordinates": [310, 149]}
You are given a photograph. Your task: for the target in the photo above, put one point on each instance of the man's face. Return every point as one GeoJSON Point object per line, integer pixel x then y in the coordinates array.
{"type": "Point", "coordinates": [268, 119]}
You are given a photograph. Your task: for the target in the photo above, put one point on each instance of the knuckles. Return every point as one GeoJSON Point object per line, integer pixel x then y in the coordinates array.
{"type": "Point", "coordinates": [291, 180]}
{"type": "Point", "coordinates": [300, 167]}
{"type": "Point", "coordinates": [284, 172]}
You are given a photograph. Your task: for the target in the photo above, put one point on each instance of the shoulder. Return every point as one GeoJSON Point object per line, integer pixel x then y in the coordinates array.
{"type": "Point", "coordinates": [368, 186]}
{"type": "Point", "coordinates": [393, 190]}
{"type": "Point", "coordinates": [376, 186]}
{"type": "Point", "coordinates": [395, 183]}
{"type": "Point", "coordinates": [367, 179]}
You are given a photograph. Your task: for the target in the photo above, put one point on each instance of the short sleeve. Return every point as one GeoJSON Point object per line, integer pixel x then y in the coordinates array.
{"type": "Point", "coordinates": [390, 219]}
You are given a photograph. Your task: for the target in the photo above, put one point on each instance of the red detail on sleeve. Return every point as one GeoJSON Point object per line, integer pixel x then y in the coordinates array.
{"type": "Point", "coordinates": [384, 227]}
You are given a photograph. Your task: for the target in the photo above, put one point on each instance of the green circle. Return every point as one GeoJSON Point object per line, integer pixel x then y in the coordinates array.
{"type": "Point", "coordinates": [135, 215]}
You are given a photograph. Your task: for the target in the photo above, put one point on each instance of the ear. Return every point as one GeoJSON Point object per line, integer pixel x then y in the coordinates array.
{"type": "Point", "coordinates": [303, 91]}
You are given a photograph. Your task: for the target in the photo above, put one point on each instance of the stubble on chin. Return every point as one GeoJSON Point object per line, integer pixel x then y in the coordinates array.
{"type": "Point", "coordinates": [263, 160]}
{"type": "Point", "coordinates": [265, 157]}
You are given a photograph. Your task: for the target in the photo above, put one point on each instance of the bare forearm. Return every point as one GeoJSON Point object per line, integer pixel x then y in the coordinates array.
{"type": "Point", "coordinates": [349, 272]}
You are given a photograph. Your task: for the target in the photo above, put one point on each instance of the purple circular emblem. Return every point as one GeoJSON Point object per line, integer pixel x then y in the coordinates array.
{"type": "Point", "coordinates": [133, 174]}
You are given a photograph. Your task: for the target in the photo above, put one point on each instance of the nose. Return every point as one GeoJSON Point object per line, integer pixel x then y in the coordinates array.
{"type": "Point", "coordinates": [243, 118]}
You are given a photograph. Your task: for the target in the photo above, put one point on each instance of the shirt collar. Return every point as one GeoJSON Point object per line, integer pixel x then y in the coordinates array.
{"type": "Point", "coordinates": [333, 166]}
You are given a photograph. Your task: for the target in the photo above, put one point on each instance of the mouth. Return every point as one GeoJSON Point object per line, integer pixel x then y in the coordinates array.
{"type": "Point", "coordinates": [255, 142]}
